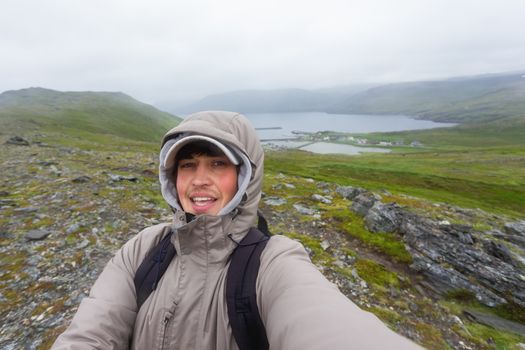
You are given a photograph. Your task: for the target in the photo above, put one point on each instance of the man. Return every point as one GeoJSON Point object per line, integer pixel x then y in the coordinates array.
{"type": "Point", "coordinates": [211, 170]}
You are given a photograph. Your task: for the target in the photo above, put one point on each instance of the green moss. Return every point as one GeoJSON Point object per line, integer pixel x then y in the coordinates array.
{"type": "Point", "coordinates": [461, 295]}
{"type": "Point", "coordinates": [431, 337]}
{"type": "Point", "coordinates": [388, 316]}
{"type": "Point", "coordinates": [492, 338]}
{"type": "Point", "coordinates": [72, 238]}
{"type": "Point", "coordinates": [386, 243]}
{"type": "Point", "coordinates": [376, 274]}
{"type": "Point", "coordinates": [511, 311]}
{"type": "Point", "coordinates": [460, 299]}
{"type": "Point", "coordinates": [49, 337]}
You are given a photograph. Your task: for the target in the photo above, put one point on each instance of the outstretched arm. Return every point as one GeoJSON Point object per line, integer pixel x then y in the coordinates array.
{"type": "Point", "coordinates": [301, 309]}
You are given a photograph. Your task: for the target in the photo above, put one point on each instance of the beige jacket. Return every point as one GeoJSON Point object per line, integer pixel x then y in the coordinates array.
{"type": "Point", "coordinates": [299, 307]}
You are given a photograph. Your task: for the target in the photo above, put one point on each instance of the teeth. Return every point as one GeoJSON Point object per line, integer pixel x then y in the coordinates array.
{"type": "Point", "coordinates": [202, 199]}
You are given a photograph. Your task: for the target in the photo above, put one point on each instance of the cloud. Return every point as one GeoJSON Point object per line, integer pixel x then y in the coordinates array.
{"type": "Point", "coordinates": [160, 51]}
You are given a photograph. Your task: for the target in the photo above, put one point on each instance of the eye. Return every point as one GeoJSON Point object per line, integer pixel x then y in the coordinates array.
{"type": "Point", "coordinates": [219, 163]}
{"type": "Point", "coordinates": [186, 165]}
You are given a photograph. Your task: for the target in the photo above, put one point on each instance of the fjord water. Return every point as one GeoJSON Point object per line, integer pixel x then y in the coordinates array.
{"type": "Point", "coordinates": [274, 127]}
{"type": "Point", "coordinates": [319, 121]}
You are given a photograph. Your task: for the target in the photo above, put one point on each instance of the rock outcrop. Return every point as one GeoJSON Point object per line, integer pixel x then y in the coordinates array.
{"type": "Point", "coordinates": [452, 257]}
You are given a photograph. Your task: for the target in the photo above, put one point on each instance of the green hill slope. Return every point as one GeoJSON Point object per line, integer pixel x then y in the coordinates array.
{"type": "Point", "coordinates": [463, 100]}
{"type": "Point", "coordinates": [109, 113]}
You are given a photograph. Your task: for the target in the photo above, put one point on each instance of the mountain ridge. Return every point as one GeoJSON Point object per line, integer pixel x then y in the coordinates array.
{"type": "Point", "coordinates": [113, 113]}
{"type": "Point", "coordinates": [468, 99]}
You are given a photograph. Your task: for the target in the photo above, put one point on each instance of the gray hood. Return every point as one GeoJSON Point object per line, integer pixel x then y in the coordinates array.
{"type": "Point", "coordinates": [235, 131]}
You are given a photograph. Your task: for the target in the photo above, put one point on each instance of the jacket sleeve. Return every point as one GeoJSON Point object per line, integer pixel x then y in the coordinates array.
{"type": "Point", "coordinates": [105, 319]}
{"type": "Point", "coordinates": [301, 309]}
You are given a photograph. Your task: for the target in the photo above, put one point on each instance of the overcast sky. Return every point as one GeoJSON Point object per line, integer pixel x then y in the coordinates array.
{"type": "Point", "coordinates": [176, 50]}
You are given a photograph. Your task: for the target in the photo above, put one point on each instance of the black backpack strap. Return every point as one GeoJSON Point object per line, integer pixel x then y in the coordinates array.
{"type": "Point", "coordinates": [241, 297]}
{"type": "Point", "coordinates": [262, 224]}
{"type": "Point", "coordinates": [152, 268]}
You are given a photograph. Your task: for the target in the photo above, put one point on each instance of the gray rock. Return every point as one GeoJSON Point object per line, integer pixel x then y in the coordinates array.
{"type": "Point", "coordinates": [81, 179]}
{"type": "Point", "coordinates": [466, 238]}
{"type": "Point", "coordinates": [443, 280]}
{"type": "Point", "coordinates": [36, 235]}
{"type": "Point", "coordinates": [494, 321]}
{"type": "Point", "coordinates": [515, 228]}
{"type": "Point", "coordinates": [290, 186]}
{"type": "Point", "coordinates": [33, 272]}
{"type": "Point", "coordinates": [26, 210]}
{"type": "Point", "coordinates": [519, 240]}
{"type": "Point", "coordinates": [274, 201]}
{"type": "Point", "coordinates": [383, 217]}
{"type": "Point", "coordinates": [34, 259]}
{"type": "Point", "coordinates": [322, 199]}
{"type": "Point", "coordinates": [468, 266]}
{"type": "Point", "coordinates": [521, 346]}
{"type": "Point", "coordinates": [73, 228]}
{"type": "Point", "coordinates": [47, 163]}
{"type": "Point", "coordinates": [325, 245]}
{"type": "Point", "coordinates": [499, 251]}
{"type": "Point", "coordinates": [18, 141]}
{"type": "Point", "coordinates": [363, 202]}
{"type": "Point", "coordinates": [349, 192]}
{"type": "Point", "coordinates": [83, 244]}
{"type": "Point", "coordinates": [304, 210]}
{"type": "Point", "coordinates": [117, 178]}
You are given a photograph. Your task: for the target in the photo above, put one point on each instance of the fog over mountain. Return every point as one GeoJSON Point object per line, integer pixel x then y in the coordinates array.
{"type": "Point", "coordinates": [460, 99]}
{"type": "Point", "coordinates": [171, 53]}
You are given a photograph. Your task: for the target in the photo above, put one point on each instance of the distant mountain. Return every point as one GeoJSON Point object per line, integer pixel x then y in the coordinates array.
{"type": "Point", "coordinates": [98, 112]}
{"type": "Point", "coordinates": [463, 100]}
{"type": "Point", "coordinates": [279, 100]}
{"type": "Point", "coordinates": [470, 99]}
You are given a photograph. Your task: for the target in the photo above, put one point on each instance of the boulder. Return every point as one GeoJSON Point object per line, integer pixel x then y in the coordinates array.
{"type": "Point", "coordinates": [450, 264]}
{"type": "Point", "coordinates": [383, 217]}
{"type": "Point", "coordinates": [116, 178]}
{"type": "Point", "coordinates": [36, 235]}
{"type": "Point", "coordinates": [516, 239]}
{"type": "Point", "coordinates": [494, 321]}
{"type": "Point", "coordinates": [349, 192]}
{"type": "Point", "coordinates": [363, 202]}
{"type": "Point", "coordinates": [274, 201]}
{"type": "Point", "coordinates": [445, 279]}
{"type": "Point", "coordinates": [81, 179]}
{"type": "Point", "coordinates": [515, 228]}
{"type": "Point", "coordinates": [304, 210]}
{"type": "Point", "coordinates": [18, 141]}
{"type": "Point", "coordinates": [499, 251]}
{"type": "Point", "coordinates": [322, 199]}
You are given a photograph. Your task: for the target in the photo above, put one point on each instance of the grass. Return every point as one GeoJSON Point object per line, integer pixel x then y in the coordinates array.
{"type": "Point", "coordinates": [493, 180]}
{"type": "Point", "coordinates": [376, 274]}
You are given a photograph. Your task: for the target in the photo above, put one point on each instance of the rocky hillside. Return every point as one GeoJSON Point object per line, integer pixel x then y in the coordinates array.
{"type": "Point", "coordinates": [423, 268]}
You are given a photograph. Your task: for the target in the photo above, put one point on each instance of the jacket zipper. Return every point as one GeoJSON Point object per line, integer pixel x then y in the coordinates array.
{"type": "Point", "coordinates": [165, 323]}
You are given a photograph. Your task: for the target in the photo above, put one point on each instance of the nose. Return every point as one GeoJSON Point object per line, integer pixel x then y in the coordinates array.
{"type": "Point", "coordinates": [201, 176]}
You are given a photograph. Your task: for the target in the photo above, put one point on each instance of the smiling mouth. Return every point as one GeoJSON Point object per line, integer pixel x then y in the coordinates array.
{"type": "Point", "coordinates": [202, 201]}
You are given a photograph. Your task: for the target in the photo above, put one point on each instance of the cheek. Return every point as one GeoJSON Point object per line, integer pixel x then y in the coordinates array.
{"type": "Point", "coordinates": [180, 183]}
{"type": "Point", "coordinates": [229, 184]}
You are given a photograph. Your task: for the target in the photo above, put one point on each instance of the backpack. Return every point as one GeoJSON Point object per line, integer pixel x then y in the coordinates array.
{"type": "Point", "coordinates": [241, 297]}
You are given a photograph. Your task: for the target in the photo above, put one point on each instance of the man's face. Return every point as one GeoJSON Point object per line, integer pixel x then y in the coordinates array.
{"type": "Point", "coordinates": [205, 184]}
